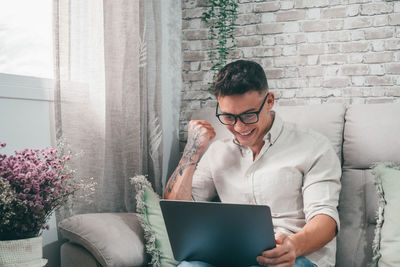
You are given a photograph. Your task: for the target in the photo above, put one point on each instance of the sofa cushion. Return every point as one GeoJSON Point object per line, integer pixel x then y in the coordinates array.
{"type": "Point", "coordinates": [358, 203]}
{"type": "Point", "coordinates": [114, 239]}
{"type": "Point", "coordinates": [152, 221]}
{"type": "Point", "coordinates": [387, 235]}
{"type": "Point", "coordinates": [371, 135]}
{"type": "Point", "coordinates": [327, 119]}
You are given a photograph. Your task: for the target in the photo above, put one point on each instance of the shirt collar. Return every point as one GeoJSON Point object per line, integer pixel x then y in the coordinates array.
{"type": "Point", "coordinates": [276, 128]}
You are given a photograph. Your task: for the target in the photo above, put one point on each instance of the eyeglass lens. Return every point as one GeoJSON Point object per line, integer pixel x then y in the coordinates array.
{"type": "Point", "coordinates": [246, 118]}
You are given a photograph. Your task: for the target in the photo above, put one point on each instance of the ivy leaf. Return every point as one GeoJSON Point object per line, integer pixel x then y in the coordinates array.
{"type": "Point", "coordinates": [220, 15]}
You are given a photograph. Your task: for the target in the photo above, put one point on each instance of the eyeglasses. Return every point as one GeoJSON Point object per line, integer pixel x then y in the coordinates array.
{"type": "Point", "coordinates": [246, 118]}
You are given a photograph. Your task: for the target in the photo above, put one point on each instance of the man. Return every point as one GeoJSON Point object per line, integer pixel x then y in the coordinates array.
{"type": "Point", "coordinates": [293, 170]}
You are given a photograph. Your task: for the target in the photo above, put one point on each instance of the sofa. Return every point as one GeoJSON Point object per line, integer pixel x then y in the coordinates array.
{"type": "Point", "coordinates": [361, 134]}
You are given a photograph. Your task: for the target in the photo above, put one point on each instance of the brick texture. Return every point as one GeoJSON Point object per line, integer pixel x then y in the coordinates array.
{"type": "Point", "coordinates": [313, 51]}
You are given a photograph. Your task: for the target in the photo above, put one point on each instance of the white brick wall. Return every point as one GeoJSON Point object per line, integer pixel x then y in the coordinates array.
{"type": "Point", "coordinates": [313, 51]}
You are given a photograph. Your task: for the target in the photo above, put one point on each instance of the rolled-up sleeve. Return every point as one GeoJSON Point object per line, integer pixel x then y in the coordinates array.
{"type": "Point", "coordinates": [321, 186]}
{"type": "Point", "coordinates": [203, 188]}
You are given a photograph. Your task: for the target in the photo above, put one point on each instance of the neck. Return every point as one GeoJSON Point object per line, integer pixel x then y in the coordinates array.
{"type": "Point", "coordinates": [256, 148]}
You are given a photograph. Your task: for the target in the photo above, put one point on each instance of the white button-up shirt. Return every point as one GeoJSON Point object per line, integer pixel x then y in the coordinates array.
{"type": "Point", "coordinates": [297, 174]}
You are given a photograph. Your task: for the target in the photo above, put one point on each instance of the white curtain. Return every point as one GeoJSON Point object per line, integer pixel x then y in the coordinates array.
{"type": "Point", "coordinates": [108, 96]}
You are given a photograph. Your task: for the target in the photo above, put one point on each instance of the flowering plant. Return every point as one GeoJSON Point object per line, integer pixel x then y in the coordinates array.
{"type": "Point", "coordinates": [33, 183]}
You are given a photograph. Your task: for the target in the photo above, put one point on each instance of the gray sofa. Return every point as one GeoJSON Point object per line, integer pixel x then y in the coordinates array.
{"type": "Point", "coordinates": [361, 135]}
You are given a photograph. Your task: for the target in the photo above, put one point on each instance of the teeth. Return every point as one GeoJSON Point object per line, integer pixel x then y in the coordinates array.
{"type": "Point", "coordinates": [245, 133]}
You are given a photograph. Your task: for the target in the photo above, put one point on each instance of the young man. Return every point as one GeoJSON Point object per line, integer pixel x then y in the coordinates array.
{"type": "Point", "coordinates": [293, 170]}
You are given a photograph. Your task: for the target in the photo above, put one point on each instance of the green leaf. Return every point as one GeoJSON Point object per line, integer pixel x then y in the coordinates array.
{"type": "Point", "coordinates": [220, 16]}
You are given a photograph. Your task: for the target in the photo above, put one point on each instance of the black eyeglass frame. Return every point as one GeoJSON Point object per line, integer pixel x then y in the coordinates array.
{"type": "Point", "coordinates": [239, 115]}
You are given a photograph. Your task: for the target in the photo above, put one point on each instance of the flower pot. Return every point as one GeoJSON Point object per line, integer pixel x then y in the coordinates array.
{"type": "Point", "coordinates": [22, 253]}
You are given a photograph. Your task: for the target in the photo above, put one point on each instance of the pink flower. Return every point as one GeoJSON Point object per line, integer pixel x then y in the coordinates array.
{"type": "Point", "coordinates": [39, 183]}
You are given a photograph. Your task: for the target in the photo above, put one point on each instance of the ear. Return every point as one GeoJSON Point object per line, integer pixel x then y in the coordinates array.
{"type": "Point", "coordinates": [270, 100]}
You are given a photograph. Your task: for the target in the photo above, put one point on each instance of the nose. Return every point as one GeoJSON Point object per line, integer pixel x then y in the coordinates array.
{"type": "Point", "coordinates": [239, 125]}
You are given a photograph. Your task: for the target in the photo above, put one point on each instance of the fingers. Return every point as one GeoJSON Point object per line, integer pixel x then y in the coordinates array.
{"type": "Point", "coordinates": [284, 254]}
{"type": "Point", "coordinates": [262, 261]}
{"type": "Point", "coordinates": [199, 135]}
{"type": "Point", "coordinates": [202, 126]}
{"type": "Point", "coordinates": [280, 249]}
{"type": "Point", "coordinates": [277, 252]}
{"type": "Point", "coordinates": [280, 238]}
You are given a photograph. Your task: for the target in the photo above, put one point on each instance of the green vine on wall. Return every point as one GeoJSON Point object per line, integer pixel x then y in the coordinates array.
{"type": "Point", "coordinates": [220, 16]}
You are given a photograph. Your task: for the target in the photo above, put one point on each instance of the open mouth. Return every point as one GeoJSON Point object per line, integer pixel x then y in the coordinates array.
{"type": "Point", "coordinates": [246, 134]}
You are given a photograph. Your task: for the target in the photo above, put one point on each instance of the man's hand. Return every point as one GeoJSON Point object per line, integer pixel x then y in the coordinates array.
{"type": "Point", "coordinates": [284, 255]}
{"type": "Point", "coordinates": [200, 133]}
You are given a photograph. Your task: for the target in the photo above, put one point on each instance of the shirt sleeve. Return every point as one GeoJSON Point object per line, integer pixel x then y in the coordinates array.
{"type": "Point", "coordinates": [321, 186]}
{"type": "Point", "coordinates": [203, 188]}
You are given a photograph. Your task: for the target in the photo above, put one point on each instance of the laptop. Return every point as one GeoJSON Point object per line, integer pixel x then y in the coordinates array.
{"type": "Point", "coordinates": [221, 234]}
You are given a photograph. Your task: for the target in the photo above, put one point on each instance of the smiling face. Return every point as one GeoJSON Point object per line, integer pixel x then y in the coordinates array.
{"type": "Point", "coordinates": [250, 135]}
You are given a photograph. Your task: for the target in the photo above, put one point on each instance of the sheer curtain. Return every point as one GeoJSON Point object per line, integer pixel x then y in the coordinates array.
{"type": "Point", "coordinates": [108, 98]}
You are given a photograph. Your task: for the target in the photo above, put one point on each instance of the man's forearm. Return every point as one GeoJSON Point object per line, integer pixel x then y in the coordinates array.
{"type": "Point", "coordinates": [179, 185]}
{"type": "Point", "coordinates": [315, 234]}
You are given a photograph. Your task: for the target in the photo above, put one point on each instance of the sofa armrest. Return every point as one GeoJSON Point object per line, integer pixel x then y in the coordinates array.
{"type": "Point", "coordinates": [73, 255]}
{"type": "Point", "coordinates": [114, 239]}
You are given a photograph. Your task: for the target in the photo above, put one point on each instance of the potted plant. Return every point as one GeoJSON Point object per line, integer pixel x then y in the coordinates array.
{"type": "Point", "coordinates": [33, 184]}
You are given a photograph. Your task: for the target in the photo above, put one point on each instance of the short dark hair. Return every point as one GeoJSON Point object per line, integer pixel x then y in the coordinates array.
{"type": "Point", "coordinates": [239, 77]}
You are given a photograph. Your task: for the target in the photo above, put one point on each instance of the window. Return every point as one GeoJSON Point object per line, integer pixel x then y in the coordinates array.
{"type": "Point", "coordinates": [26, 81]}
{"type": "Point", "coordinates": [26, 45]}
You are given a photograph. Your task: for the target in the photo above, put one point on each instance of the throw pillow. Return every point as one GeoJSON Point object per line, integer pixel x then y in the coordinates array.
{"type": "Point", "coordinates": [152, 221]}
{"type": "Point", "coordinates": [387, 233]}
{"type": "Point", "coordinates": [114, 239]}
